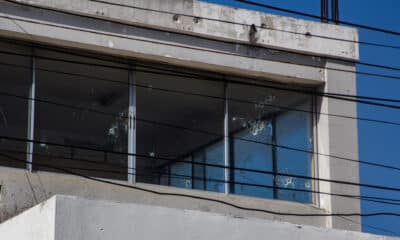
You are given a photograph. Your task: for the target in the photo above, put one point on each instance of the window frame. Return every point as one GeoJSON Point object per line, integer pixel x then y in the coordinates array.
{"type": "Point", "coordinates": [227, 140]}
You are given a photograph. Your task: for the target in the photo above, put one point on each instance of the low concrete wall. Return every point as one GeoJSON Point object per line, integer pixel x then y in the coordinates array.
{"type": "Point", "coordinates": [22, 190]}
{"type": "Point", "coordinates": [78, 218]}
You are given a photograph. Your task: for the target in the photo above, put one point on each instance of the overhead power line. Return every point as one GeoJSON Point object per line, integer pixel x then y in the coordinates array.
{"type": "Point", "coordinates": [209, 96]}
{"type": "Point", "coordinates": [345, 97]}
{"type": "Point", "coordinates": [232, 81]}
{"type": "Point", "coordinates": [336, 181]}
{"type": "Point", "coordinates": [205, 198]}
{"type": "Point", "coordinates": [201, 131]}
{"type": "Point", "coordinates": [221, 52]}
{"type": "Point", "coordinates": [155, 173]}
{"type": "Point", "coordinates": [204, 132]}
{"type": "Point", "coordinates": [381, 229]}
{"type": "Point", "coordinates": [352, 24]}
{"type": "Point", "coordinates": [308, 34]}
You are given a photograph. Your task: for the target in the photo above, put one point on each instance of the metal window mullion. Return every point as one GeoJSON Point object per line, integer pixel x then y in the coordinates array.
{"type": "Point", "coordinates": [193, 171]}
{"type": "Point", "coordinates": [31, 117]}
{"type": "Point", "coordinates": [203, 159]}
{"type": "Point", "coordinates": [232, 164]}
{"type": "Point", "coordinates": [314, 159]}
{"type": "Point", "coordinates": [324, 11]}
{"type": "Point", "coordinates": [132, 128]}
{"type": "Point", "coordinates": [226, 142]}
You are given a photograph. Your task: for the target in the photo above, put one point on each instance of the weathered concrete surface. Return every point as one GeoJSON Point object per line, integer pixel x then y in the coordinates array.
{"type": "Point", "coordinates": [338, 137]}
{"type": "Point", "coordinates": [231, 58]}
{"type": "Point", "coordinates": [22, 190]}
{"type": "Point", "coordinates": [35, 223]}
{"type": "Point", "coordinates": [148, 36]}
{"type": "Point", "coordinates": [194, 17]}
{"type": "Point", "coordinates": [79, 218]}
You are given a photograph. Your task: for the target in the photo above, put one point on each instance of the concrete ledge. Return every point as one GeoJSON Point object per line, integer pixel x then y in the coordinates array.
{"type": "Point", "coordinates": [22, 190]}
{"type": "Point", "coordinates": [277, 32]}
{"type": "Point", "coordinates": [79, 218]}
{"type": "Point", "coordinates": [31, 24]}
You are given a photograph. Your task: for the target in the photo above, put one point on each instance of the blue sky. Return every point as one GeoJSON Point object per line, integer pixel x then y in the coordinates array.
{"type": "Point", "coordinates": [377, 142]}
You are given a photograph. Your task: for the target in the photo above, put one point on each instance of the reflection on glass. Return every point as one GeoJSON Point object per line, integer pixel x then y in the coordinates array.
{"type": "Point", "coordinates": [98, 119]}
{"type": "Point", "coordinates": [251, 155]}
{"type": "Point", "coordinates": [259, 123]}
{"type": "Point", "coordinates": [173, 123]}
{"type": "Point", "coordinates": [15, 79]}
{"type": "Point", "coordinates": [215, 155]}
{"type": "Point", "coordinates": [293, 129]}
{"type": "Point", "coordinates": [199, 171]}
{"type": "Point", "coordinates": [172, 126]}
{"type": "Point", "coordinates": [181, 175]}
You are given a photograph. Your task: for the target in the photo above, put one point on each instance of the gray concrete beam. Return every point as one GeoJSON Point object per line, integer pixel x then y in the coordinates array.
{"type": "Point", "coordinates": [147, 44]}
{"type": "Point", "coordinates": [278, 31]}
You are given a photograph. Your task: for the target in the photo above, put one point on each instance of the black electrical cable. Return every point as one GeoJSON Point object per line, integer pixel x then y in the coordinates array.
{"type": "Point", "coordinates": [194, 75]}
{"type": "Point", "coordinates": [382, 200]}
{"type": "Point", "coordinates": [370, 226]}
{"type": "Point", "coordinates": [308, 34]}
{"type": "Point", "coordinates": [202, 49]}
{"type": "Point", "coordinates": [217, 20]}
{"type": "Point", "coordinates": [249, 25]}
{"type": "Point", "coordinates": [207, 96]}
{"type": "Point", "coordinates": [203, 164]}
{"type": "Point", "coordinates": [205, 198]}
{"type": "Point", "coordinates": [344, 97]}
{"type": "Point", "coordinates": [375, 29]}
{"type": "Point", "coordinates": [203, 132]}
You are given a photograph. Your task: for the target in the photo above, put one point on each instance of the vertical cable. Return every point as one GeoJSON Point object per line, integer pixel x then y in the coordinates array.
{"type": "Point", "coordinates": [314, 159]}
{"type": "Point", "coordinates": [324, 11]}
{"type": "Point", "coordinates": [335, 11]}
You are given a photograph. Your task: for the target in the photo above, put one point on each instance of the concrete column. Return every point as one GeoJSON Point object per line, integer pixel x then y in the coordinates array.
{"type": "Point", "coordinates": [338, 137]}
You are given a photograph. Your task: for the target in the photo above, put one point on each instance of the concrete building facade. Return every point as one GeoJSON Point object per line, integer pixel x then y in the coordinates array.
{"type": "Point", "coordinates": [273, 62]}
{"type": "Point", "coordinates": [66, 217]}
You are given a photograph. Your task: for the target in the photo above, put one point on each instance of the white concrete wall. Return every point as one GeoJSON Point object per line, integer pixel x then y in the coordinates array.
{"type": "Point", "coordinates": [36, 223]}
{"type": "Point", "coordinates": [84, 219]}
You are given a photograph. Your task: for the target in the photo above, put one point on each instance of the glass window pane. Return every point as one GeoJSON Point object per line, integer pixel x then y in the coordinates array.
{"type": "Point", "coordinates": [215, 176]}
{"type": "Point", "coordinates": [199, 171]}
{"type": "Point", "coordinates": [251, 138]}
{"type": "Point", "coordinates": [92, 114]}
{"type": "Point", "coordinates": [293, 129]}
{"type": "Point", "coordinates": [250, 155]}
{"type": "Point", "coordinates": [15, 82]}
{"type": "Point", "coordinates": [181, 174]}
{"type": "Point", "coordinates": [259, 118]}
{"type": "Point", "coordinates": [174, 123]}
